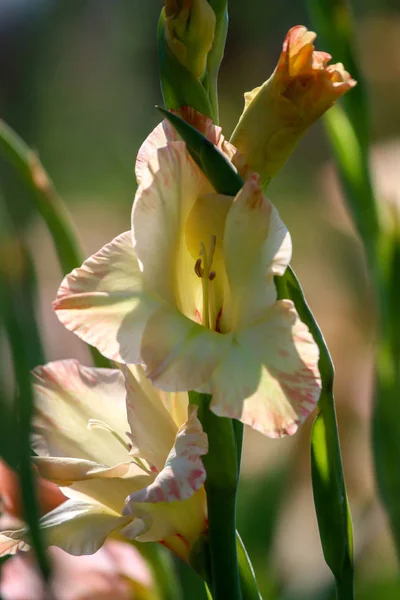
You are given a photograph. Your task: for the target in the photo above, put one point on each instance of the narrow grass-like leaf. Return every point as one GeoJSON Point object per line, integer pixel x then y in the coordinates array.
{"type": "Point", "coordinates": [328, 481]}
{"type": "Point", "coordinates": [247, 576]}
{"type": "Point", "coordinates": [216, 167]}
{"type": "Point", "coordinates": [329, 487]}
{"type": "Point", "coordinates": [348, 131]}
{"type": "Point", "coordinates": [49, 205]}
{"type": "Point", "coordinates": [18, 319]}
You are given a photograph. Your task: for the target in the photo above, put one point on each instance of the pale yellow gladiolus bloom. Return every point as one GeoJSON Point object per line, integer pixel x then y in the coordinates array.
{"type": "Point", "coordinates": [277, 114]}
{"type": "Point", "coordinates": [190, 292]}
{"type": "Point", "coordinates": [125, 455]}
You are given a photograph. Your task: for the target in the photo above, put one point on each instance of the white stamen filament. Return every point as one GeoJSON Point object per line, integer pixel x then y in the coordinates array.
{"type": "Point", "coordinates": [97, 424]}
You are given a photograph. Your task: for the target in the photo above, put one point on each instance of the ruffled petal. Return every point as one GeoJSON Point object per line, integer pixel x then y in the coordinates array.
{"type": "Point", "coordinates": [183, 472]}
{"type": "Point", "coordinates": [270, 378]}
{"type": "Point", "coordinates": [104, 302]}
{"type": "Point", "coordinates": [179, 354]}
{"type": "Point", "coordinates": [152, 428]}
{"type": "Point", "coordinates": [169, 188]}
{"type": "Point", "coordinates": [76, 527]}
{"type": "Point", "coordinates": [161, 505]}
{"type": "Point", "coordinates": [68, 396]}
{"type": "Point", "coordinates": [257, 247]}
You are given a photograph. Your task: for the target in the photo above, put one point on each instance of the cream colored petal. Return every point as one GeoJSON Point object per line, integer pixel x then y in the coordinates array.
{"type": "Point", "coordinates": [111, 493]}
{"type": "Point", "coordinates": [182, 476]}
{"type": "Point", "coordinates": [11, 545]}
{"type": "Point", "coordinates": [257, 246]}
{"type": "Point", "coordinates": [175, 403]}
{"type": "Point", "coordinates": [104, 303]}
{"type": "Point", "coordinates": [158, 138]}
{"type": "Point", "coordinates": [65, 471]}
{"type": "Point", "coordinates": [270, 379]}
{"type": "Point", "coordinates": [152, 427]}
{"type": "Point", "coordinates": [169, 188]}
{"type": "Point", "coordinates": [76, 527]}
{"type": "Point", "coordinates": [179, 354]}
{"type": "Point", "coordinates": [67, 396]}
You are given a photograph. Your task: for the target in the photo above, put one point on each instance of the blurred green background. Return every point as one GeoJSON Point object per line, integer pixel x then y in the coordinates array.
{"type": "Point", "coordinates": [79, 82]}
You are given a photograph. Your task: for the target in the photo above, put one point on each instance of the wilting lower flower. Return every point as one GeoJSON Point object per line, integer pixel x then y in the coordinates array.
{"type": "Point", "coordinates": [115, 572]}
{"type": "Point", "coordinates": [193, 297]}
{"type": "Point", "coordinates": [126, 456]}
{"type": "Point", "coordinates": [276, 114]}
{"type": "Point", "coordinates": [189, 31]}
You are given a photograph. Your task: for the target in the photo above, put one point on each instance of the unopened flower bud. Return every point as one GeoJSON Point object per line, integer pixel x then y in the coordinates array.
{"type": "Point", "coordinates": [190, 28]}
{"type": "Point", "coordinates": [276, 114]}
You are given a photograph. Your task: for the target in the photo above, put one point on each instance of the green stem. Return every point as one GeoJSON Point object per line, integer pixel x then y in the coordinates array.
{"type": "Point", "coordinates": [49, 205]}
{"type": "Point", "coordinates": [221, 486]}
{"type": "Point", "coordinates": [164, 574]}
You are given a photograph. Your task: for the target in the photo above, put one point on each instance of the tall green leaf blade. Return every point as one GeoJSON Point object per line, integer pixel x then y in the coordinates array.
{"type": "Point", "coordinates": [19, 325]}
{"type": "Point", "coordinates": [348, 131]}
{"type": "Point", "coordinates": [48, 204]}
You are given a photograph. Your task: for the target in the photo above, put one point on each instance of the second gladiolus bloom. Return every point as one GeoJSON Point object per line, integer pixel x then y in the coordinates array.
{"type": "Point", "coordinates": [190, 294]}
{"type": "Point", "coordinates": [126, 456]}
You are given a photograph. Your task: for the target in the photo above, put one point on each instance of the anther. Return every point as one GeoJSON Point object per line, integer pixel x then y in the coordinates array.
{"type": "Point", "coordinates": [212, 275]}
{"type": "Point", "coordinates": [198, 269]}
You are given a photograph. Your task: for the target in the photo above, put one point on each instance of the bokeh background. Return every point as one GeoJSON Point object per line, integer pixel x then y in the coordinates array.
{"type": "Point", "coordinates": [79, 82]}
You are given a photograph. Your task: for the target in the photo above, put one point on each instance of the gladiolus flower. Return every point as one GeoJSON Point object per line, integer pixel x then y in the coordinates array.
{"type": "Point", "coordinates": [190, 293]}
{"type": "Point", "coordinates": [126, 455]}
{"type": "Point", "coordinates": [277, 114]}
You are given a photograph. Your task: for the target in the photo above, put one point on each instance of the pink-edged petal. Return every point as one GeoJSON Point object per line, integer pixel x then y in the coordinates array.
{"type": "Point", "coordinates": [169, 188]}
{"type": "Point", "coordinates": [257, 246]}
{"type": "Point", "coordinates": [104, 303]}
{"type": "Point", "coordinates": [161, 503]}
{"type": "Point", "coordinates": [76, 527]}
{"type": "Point", "coordinates": [165, 132]}
{"type": "Point", "coordinates": [152, 428]}
{"type": "Point", "coordinates": [183, 472]}
{"type": "Point", "coordinates": [270, 378]}
{"type": "Point", "coordinates": [179, 354]}
{"type": "Point", "coordinates": [68, 396]}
